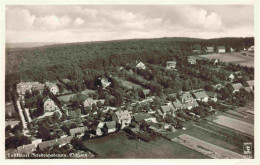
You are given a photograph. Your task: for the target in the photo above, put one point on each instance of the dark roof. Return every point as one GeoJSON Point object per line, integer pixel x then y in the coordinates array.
{"type": "Point", "coordinates": [111, 124]}
{"type": "Point", "coordinates": [141, 116]}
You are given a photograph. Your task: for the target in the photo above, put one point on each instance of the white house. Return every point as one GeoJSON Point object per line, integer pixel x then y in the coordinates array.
{"type": "Point", "coordinates": [53, 88]}
{"type": "Point", "coordinates": [171, 64]}
{"type": "Point", "coordinates": [221, 49]}
{"type": "Point", "coordinates": [141, 65]}
{"type": "Point", "coordinates": [122, 117]}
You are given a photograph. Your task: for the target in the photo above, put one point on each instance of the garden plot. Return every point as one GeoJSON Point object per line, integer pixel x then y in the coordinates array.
{"type": "Point", "coordinates": [235, 124]}
{"type": "Point", "coordinates": [206, 148]}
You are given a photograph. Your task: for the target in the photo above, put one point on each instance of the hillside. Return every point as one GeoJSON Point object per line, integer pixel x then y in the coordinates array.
{"type": "Point", "coordinates": [28, 44]}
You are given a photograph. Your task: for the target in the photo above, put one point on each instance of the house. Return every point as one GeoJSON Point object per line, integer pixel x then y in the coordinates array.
{"type": "Point", "coordinates": [168, 109]}
{"type": "Point", "coordinates": [53, 88]}
{"type": "Point", "coordinates": [212, 96]}
{"type": "Point", "coordinates": [209, 49]}
{"type": "Point", "coordinates": [146, 117]}
{"type": "Point", "coordinates": [89, 101]}
{"type": "Point", "coordinates": [191, 104]}
{"type": "Point", "coordinates": [231, 77]}
{"type": "Point", "coordinates": [27, 149]}
{"type": "Point", "coordinates": [110, 126]}
{"type": "Point", "coordinates": [12, 123]}
{"type": "Point", "coordinates": [200, 95]}
{"type": "Point", "coordinates": [251, 84]}
{"type": "Point", "coordinates": [171, 64]}
{"type": "Point", "coordinates": [232, 50]}
{"type": "Point", "coordinates": [47, 144]}
{"type": "Point", "coordinates": [248, 89]}
{"type": "Point", "coordinates": [218, 86]}
{"type": "Point", "coordinates": [104, 82]}
{"type": "Point", "coordinates": [49, 105]}
{"type": "Point", "coordinates": [221, 49]}
{"type": "Point", "coordinates": [146, 92]}
{"type": "Point", "coordinates": [78, 130]}
{"type": "Point", "coordinates": [185, 97]}
{"type": "Point", "coordinates": [22, 87]}
{"type": "Point", "coordinates": [216, 61]}
{"type": "Point", "coordinates": [192, 60]}
{"type": "Point", "coordinates": [237, 87]}
{"type": "Point", "coordinates": [177, 104]}
{"type": "Point", "coordinates": [141, 65]}
{"type": "Point", "coordinates": [122, 117]}
{"type": "Point", "coordinates": [64, 140]}
{"type": "Point", "coordinates": [251, 49]}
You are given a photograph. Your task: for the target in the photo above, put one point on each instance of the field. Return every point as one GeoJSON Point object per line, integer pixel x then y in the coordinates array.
{"type": "Point", "coordinates": [236, 58]}
{"type": "Point", "coordinates": [119, 145]}
{"type": "Point", "coordinates": [87, 92]}
{"type": "Point", "coordinates": [66, 98]}
{"type": "Point", "coordinates": [235, 124]}
{"type": "Point", "coordinates": [129, 84]}
{"type": "Point", "coordinates": [206, 148]}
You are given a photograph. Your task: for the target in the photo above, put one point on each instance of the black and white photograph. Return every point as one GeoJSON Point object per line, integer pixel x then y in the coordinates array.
{"type": "Point", "coordinates": [129, 81]}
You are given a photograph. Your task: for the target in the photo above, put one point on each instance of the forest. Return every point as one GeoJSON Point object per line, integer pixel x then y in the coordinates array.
{"type": "Point", "coordinates": [87, 61]}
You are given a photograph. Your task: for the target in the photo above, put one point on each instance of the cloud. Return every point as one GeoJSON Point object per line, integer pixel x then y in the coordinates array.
{"type": "Point", "coordinates": [52, 22]}
{"type": "Point", "coordinates": [18, 19]}
{"type": "Point", "coordinates": [78, 21]}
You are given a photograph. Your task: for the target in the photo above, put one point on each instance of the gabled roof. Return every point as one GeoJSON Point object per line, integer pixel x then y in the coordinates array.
{"type": "Point", "coordinates": [177, 104]}
{"type": "Point", "coordinates": [47, 144]}
{"type": "Point", "coordinates": [64, 140]}
{"type": "Point", "coordinates": [26, 148]}
{"type": "Point", "coordinates": [211, 94]}
{"type": "Point", "coordinates": [221, 47]}
{"type": "Point", "coordinates": [248, 89]}
{"type": "Point", "coordinates": [111, 124]}
{"type": "Point", "coordinates": [46, 98]}
{"type": "Point", "coordinates": [209, 47]}
{"type": "Point", "coordinates": [250, 83]}
{"type": "Point", "coordinates": [78, 130]}
{"type": "Point", "coordinates": [123, 114]}
{"type": "Point", "coordinates": [200, 94]}
{"type": "Point", "coordinates": [168, 108]}
{"type": "Point", "coordinates": [191, 103]}
{"type": "Point", "coordinates": [141, 116]}
{"type": "Point", "coordinates": [237, 86]}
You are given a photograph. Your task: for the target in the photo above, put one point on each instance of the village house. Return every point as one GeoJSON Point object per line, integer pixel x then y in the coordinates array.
{"type": "Point", "coordinates": [251, 84]}
{"type": "Point", "coordinates": [190, 105]}
{"type": "Point", "coordinates": [248, 89]}
{"type": "Point", "coordinates": [251, 49]}
{"type": "Point", "coordinates": [218, 86]}
{"type": "Point", "coordinates": [64, 140]}
{"type": "Point", "coordinates": [177, 104]}
{"type": "Point", "coordinates": [110, 126]}
{"type": "Point", "coordinates": [216, 61]}
{"type": "Point", "coordinates": [200, 95]}
{"type": "Point", "coordinates": [12, 123]}
{"type": "Point", "coordinates": [122, 117]}
{"type": "Point", "coordinates": [231, 77]}
{"type": "Point", "coordinates": [89, 101]}
{"type": "Point", "coordinates": [221, 49]}
{"type": "Point", "coordinates": [104, 82]}
{"type": "Point", "coordinates": [171, 64]}
{"type": "Point", "coordinates": [22, 87]}
{"type": "Point", "coordinates": [237, 87]}
{"type": "Point", "coordinates": [209, 49]}
{"type": "Point", "coordinates": [142, 116]}
{"type": "Point", "coordinates": [27, 149]}
{"type": "Point", "coordinates": [168, 109]}
{"type": "Point", "coordinates": [79, 130]}
{"type": "Point", "coordinates": [185, 97]}
{"type": "Point", "coordinates": [212, 96]}
{"type": "Point", "coordinates": [47, 144]}
{"type": "Point", "coordinates": [49, 105]}
{"type": "Point", "coordinates": [53, 88]}
{"type": "Point", "coordinates": [192, 60]}
{"type": "Point", "coordinates": [140, 65]}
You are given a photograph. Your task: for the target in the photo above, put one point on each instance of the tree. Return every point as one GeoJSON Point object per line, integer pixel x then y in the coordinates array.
{"type": "Point", "coordinates": [43, 133]}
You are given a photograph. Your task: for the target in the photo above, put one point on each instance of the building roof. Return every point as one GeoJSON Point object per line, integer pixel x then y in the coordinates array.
{"type": "Point", "coordinates": [237, 86]}
{"type": "Point", "coordinates": [185, 96]}
{"type": "Point", "coordinates": [78, 130]}
{"type": "Point", "coordinates": [168, 108]}
{"type": "Point", "coordinates": [221, 47]}
{"type": "Point", "coordinates": [200, 94]}
{"type": "Point", "coordinates": [211, 94]}
{"type": "Point", "coordinates": [111, 124]}
{"type": "Point", "coordinates": [47, 144]}
{"type": "Point", "coordinates": [209, 47]}
{"type": "Point", "coordinates": [170, 62]}
{"type": "Point", "coordinates": [123, 114]}
{"type": "Point", "coordinates": [46, 98]}
{"type": "Point", "coordinates": [64, 140]}
{"type": "Point", "coordinates": [191, 104]}
{"type": "Point", "coordinates": [140, 65]}
{"type": "Point", "coordinates": [146, 91]}
{"type": "Point", "coordinates": [250, 83]}
{"type": "Point", "coordinates": [141, 116]}
{"type": "Point", "coordinates": [248, 89]}
{"type": "Point", "coordinates": [26, 148]}
{"type": "Point", "coordinates": [177, 104]}
{"type": "Point", "coordinates": [12, 122]}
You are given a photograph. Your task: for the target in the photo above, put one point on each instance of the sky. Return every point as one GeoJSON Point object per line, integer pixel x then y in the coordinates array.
{"type": "Point", "coordinates": [79, 23]}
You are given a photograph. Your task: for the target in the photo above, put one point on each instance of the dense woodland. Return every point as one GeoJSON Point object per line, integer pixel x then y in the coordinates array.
{"type": "Point", "coordinates": [88, 61]}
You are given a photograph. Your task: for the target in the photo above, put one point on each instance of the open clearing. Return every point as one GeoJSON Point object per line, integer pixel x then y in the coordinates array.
{"type": "Point", "coordinates": [120, 145]}
{"type": "Point", "coordinates": [129, 84]}
{"type": "Point", "coordinates": [206, 148]}
{"type": "Point", "coordinates": [66, 98]}
{"type": "Point", "coordinates": [235, 124]}
{"type": "Point", "coordinates": [236, 58]}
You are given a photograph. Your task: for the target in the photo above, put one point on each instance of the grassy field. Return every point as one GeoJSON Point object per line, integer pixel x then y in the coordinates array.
{"type": "Point", "coordinates": [119, 145]}
{"type": "Point", "coordinates": [235, 124]}
{"type": "Point", "coordinates": [236, 58]}
{"type": "Point", "coordinates": [87, 92]}
{"type": "Point", "coordinates": [206, 148]}
{"type": "Point", "coordinates": [66, 98]}
{"type": "Point", "coordinates": [129, 84]}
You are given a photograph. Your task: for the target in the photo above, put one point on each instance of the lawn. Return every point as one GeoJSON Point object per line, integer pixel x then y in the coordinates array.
{"type": "Point", "coordinates": [236, 58]}
{"type": "Point", "coordinates": [119, 145]}
{"type": "Point", "coordinates": [129, 84]}
{"type": "Point", "coordinates": [206, 148]}
{"type": "Point", "coordinates": [66, 98]}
